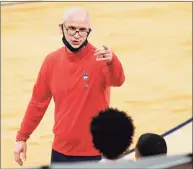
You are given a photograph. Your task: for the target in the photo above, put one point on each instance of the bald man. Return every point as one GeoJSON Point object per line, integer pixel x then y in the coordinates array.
{"type": "Point", "coordinates": [78, 77]}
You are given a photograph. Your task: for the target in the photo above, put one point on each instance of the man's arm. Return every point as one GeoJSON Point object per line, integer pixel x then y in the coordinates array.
{"type": "Point", "coordinates": [113, 72]}
{"type": "Point", "coordinates": [38, 104]}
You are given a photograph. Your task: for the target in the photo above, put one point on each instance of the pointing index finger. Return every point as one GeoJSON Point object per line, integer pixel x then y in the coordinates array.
{"type": "Point", "coordinates": [105, 47]}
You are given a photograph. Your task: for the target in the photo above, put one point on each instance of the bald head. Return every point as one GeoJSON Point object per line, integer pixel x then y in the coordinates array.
{"type": "Point", "coordinates": [76, 14]}
{"type": "Point", "coordinates": [76, 26]}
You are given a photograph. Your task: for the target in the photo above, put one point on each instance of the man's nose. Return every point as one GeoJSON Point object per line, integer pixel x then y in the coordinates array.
{"type": "Point", "coordinates": [76, 35]}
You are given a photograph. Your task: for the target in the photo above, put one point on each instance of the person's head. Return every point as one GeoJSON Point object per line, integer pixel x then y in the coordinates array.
{"type": "Point", "coordinates": [150, 144]}
{"type": "Point", "coordinates": [75, 28]}
{"type": "Point", "coordinates": [112, 132]}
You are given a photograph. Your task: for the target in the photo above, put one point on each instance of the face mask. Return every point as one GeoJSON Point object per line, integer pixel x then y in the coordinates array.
{"type": "Point", "coordinates": [72, 49]}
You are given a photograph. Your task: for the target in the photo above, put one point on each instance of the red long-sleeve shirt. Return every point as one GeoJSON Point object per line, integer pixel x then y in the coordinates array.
{"type": "Point", "coordinates": [80, 87]}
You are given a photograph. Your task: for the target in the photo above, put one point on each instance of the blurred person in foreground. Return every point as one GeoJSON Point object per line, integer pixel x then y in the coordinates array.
{"type": "Point", "coordinates": [78, 77]}
{"type": "Point", "coordinates": [112, 133]}
{"type": "Point", "coordinates": [150, 144]}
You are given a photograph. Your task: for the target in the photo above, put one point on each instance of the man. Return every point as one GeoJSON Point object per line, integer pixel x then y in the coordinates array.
{"type": "Point", "coordinates": [78, 77]}
{"type": "Point", "coordinates": [150, 144]}
{"type": "Point", "coordinates": [112, 132]}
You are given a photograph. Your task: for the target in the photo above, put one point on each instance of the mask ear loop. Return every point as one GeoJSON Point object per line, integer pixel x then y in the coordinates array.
{"type": "Point", "coordinates": [90, 30]}
{"type": "Point", "coordinates": [62, 30]}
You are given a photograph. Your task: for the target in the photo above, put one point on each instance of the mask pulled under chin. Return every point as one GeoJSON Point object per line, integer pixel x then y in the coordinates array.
{"type": "Point", "coordinates": [72, 49]}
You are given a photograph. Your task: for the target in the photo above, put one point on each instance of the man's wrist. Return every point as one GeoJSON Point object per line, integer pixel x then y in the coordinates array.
{"type": "Point", "coordinates": [111, 61]}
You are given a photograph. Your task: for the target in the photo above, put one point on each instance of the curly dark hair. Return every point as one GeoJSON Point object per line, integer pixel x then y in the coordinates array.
{"type": "Point", "coordinates": [112, 132]}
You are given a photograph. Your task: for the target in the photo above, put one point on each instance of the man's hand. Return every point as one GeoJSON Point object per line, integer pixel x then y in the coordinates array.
{"type": "Point", "coordinates": [21, 147]}
{"type": "Point", "coordinates": [104, 53]}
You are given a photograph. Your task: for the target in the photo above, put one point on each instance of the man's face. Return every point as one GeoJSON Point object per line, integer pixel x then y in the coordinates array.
{"type": "Point", "coordinates": [76, 32]}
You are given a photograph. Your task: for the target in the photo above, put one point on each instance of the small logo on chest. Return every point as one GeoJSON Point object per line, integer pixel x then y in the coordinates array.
{"type": "Point", "coordinates": [85, 76]}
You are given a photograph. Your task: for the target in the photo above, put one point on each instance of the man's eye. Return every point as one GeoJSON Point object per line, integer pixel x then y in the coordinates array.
{"type": "Point", "coordinates": [82, 30]}
{"type": "Point", "coordinates": [72, 28]}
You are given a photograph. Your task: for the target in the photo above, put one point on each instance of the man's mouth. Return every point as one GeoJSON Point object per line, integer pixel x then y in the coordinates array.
{"type": "Point", "coordinates": [75, 42]}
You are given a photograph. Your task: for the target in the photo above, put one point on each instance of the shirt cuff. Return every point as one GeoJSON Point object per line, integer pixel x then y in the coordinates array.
{"type": "Point", "coordinates": [21, 137]}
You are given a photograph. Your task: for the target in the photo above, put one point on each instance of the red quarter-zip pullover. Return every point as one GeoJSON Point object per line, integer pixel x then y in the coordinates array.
{"type": "Point", "coordinates": [80, 87]}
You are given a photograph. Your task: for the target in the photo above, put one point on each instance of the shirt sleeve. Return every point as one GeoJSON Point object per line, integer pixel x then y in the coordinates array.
{"type": "Point", "coordinates": [38, 104]}
{"type": "Point", "coordinates": [113, 72]}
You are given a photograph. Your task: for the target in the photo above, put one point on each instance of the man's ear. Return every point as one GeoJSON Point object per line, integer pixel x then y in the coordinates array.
{"type": "Point", "coordinates": [61, 28]}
